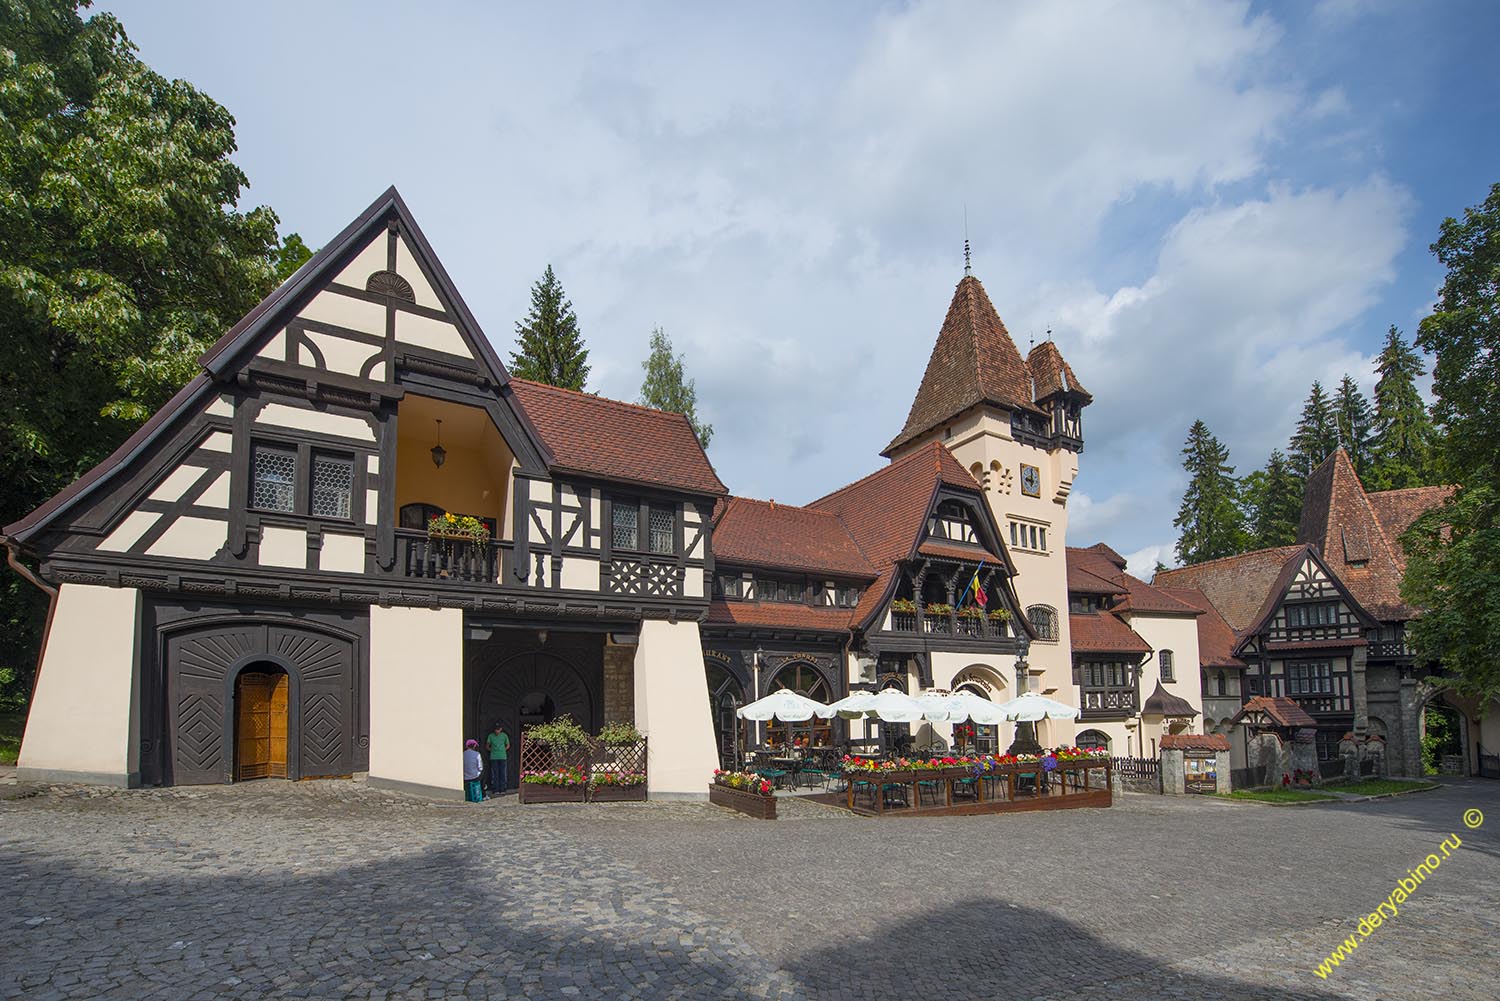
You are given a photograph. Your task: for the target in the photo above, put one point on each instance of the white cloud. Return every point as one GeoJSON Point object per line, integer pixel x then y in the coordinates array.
{"type": "Point", "coordinates": [1142, 562]}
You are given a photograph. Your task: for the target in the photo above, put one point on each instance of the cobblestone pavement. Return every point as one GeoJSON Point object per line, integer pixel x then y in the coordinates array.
{"type": "Point", "coordinates": [332, 889]}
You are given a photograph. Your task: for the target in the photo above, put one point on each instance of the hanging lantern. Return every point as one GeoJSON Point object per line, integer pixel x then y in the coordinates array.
{"type": "Point", "coordinates": [439, 453]}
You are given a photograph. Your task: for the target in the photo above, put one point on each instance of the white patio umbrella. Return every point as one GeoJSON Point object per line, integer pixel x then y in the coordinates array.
{"type": "Point", "coordinates": [895, 706]}
{"type": "Point", "coordinates": [851, 706]}
{"type": "Point", "coordinates": [1030, 707]}
{"type": "Point", "coordinates": [962, 706]}
{"type": "Point", "coordinates": [785, 705]}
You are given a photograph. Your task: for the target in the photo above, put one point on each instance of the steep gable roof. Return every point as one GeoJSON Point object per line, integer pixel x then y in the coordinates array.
{"type": "Point", "coordinates": [1100, 570]}
{"type": "Point", "coordinates": [886, 514]}
{"type": "Point", "coordinates": [1280, 710]}
{"type": "Point", "coordinates": [1051, 374]}
{"type": "Point", "coordinates": [1339, 519]}
{"type": "Point", "coordinates": [1239, 585]}
{"type": "Point", "coordinates": [1397, 509]}
{"type": "Point", "coordinates": [597, 436]}
{"type": "Point", "coordinates": [269, 315]}
{"type": "Point", "coordinates": [758, 533]}
{"type": "Point", "coordinates": [974, 361]}
{"type": "Point", "coordinates": [1102, 632]}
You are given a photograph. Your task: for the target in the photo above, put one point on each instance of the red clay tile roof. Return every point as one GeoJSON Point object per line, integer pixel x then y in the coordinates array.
{"type": "Point", "coordinates": [1397, 509]}
{"type": "Point", "coordinates": [974, 361]}
{"type": "Point", "coordinates": [786, 615]}
{"type": "Point", "coordinates": [618, 441]}
{"type": "Point", "coordinates": [1194, 742]}
{"type": "Point", "coordinates": [1163, 703]}
{"type": "Point", "coordinates": [1339, 519]}
{"type": "Point", "coordinates": [1282, 710]}
{"type": "Point", "coordinates": [886, 512]}
{"type": "Point", "coordinates": [1103, 633]}
{"type": "Point", "coordinates": [1237, 586]}
{"type": "Point", "coordinates": [1216, 641]}
{"type": "Point", "coordinates": [1083, 581]}
{"type": "Point", "coordinates": [1099, 567]}
{"type": "Point", "coordinates": [952, 551]}
{"type": "Point", "coordinates": [1051, 374]}
{"type": "Point", "coordinates": [766, 534]}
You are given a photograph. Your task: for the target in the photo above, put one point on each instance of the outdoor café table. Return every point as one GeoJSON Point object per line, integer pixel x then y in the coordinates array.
{"type": "Point", "coordinates": [789, 765]}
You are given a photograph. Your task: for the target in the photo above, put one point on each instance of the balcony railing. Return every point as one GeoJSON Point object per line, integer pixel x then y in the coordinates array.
{"type": "Point", "coordinates": [420, 557]}
{"type": "Point", "coordinates": [979, 627]}
{"type": "Point", "coordinates": [1390, 649]}
{"type": "Point", "coordinates": [1323, 702]}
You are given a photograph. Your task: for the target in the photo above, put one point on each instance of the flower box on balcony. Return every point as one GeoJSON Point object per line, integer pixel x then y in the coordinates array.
{"type": "Point", "coordinates": [752, 804]}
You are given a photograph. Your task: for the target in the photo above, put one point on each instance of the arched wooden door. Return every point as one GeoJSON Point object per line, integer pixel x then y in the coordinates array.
{"type": "Point", "coordinates": [533, 688]}
{"type": "Point", "coordinates": [260, 698]}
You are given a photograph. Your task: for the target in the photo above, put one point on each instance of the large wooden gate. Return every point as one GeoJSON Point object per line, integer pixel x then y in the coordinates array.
{"type": "Point", "coordinates": [261, 725]}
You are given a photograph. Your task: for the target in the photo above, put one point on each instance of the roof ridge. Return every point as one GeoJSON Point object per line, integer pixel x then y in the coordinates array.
{"type": "Point", "coordinates": [1237, 556]}
{"type": "Point", "coordinates": [600, 397]}
{"type": "Point", "coordinates": [882, 471]}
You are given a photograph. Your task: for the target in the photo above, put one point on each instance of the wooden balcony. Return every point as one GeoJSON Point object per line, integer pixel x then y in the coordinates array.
{"type": "Point", "coordinates": [421, 558]}
{"type": "Point", "coordinates": [951, 624]}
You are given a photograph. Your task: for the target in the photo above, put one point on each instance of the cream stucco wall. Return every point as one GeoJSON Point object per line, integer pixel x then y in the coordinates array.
{"type": "Point", "coordinates": [671, 708]}
{"type": "Point", "coordinates": [984, 438]}
{"type": "Point", "coordinates": [85, 716]}
{"type": "Point", "coordinates": [1180, 635]}
{"type": "Point", "coordinates": [416, 699]}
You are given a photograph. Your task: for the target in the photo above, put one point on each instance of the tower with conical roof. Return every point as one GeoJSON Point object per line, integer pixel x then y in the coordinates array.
{"type": "Point", "coordinates": [1016, 424]}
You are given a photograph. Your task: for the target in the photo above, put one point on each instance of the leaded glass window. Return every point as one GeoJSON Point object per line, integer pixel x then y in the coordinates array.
{"type": "Point", "coordinates": [1044, 620]}
{"type": "Point", "coordinates": [332, 486]}
{"type": "Point", "coordinates": [662, 535]}
{"type": "Point", "coordinates": [275, 476]}
{"type": "Point", "coordinates": [626, 525]}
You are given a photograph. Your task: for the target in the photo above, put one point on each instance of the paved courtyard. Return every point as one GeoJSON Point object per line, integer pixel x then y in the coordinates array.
{"type": "Point", "coordinates": [330, 889]}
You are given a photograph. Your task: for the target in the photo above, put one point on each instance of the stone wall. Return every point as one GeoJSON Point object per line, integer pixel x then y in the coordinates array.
{"type": "Point", "coordinates": [619, 683]}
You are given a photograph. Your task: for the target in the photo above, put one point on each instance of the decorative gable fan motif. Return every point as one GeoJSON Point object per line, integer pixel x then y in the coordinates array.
{"type": "Point", "coordinates": [391, 284]}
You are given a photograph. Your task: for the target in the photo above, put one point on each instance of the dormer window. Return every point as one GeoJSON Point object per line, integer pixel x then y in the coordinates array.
{"type": "Point", "coordinates": [951, 521]}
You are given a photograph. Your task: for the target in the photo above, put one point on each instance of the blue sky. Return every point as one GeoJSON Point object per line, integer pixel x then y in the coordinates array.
{"type": "Point", "coordinates": [1209, 205]}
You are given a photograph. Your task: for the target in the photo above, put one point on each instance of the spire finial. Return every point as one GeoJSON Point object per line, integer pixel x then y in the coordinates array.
{"type": "Point", "coordinates": [968, 264]}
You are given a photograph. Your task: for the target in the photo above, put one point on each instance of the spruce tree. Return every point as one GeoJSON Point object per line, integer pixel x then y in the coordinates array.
{"type": "Point", "coordinates": [1354, 419]}
{"type": "Point", "coordinates": [549, 347]}
{"type": "Point", "coordinates": [1274, 503]}
{"type": "Point", "coordinates": [1401, 446]}
{"type": "Point", "coordinates": [665, 388]}
{"type": "Point", "coordinates": [1210, 518]}
{"type": "Point", "coordinates": [1317, 434]}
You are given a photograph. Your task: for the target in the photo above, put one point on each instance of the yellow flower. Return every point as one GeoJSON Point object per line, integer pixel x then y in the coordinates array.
{"type": "Point", "coordinates": [451, 519]}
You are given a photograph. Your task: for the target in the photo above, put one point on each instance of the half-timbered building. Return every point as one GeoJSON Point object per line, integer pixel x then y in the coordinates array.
{"type": "Point", "coordinates": [252, 584]}
{"type": "Point", "coordinates": [1323, 623]}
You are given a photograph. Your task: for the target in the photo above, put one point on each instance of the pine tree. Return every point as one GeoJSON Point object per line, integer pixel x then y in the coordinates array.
{"type": "Point", "coordinates": [1354, 419]}
{"type": "Point", "coordinates": [665, 388]}
{"type": "Point", "coordinates": [549, 347]}
{"type": "Point", "coordinates": [1402, 443]}
{"type": "Point", "coordinates": [1273, 503]}
{"type": "Point", "coordinates": [1317, 434]}
{"type": "Point", "coordinates": [1210, 518]}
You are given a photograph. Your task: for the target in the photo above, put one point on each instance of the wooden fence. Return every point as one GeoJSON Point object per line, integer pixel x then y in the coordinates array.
{"type": "Point", "coordinates": [1138, 774]}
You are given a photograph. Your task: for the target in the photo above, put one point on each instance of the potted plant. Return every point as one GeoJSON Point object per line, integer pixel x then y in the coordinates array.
{"type": "Point", "coordinates": [743, 791]}
{"type": "Point", "coordinates": [450, 527]}
{"type": "Point", "coordinates": [904, 605]}
{"type": "Point", "coordinates": [567, 784]}
{"type": "Point", "coordinates": [611, 786]}
{"type": "Point", "coordinates": [620, 735]}
{"type": "Point", "coordinates": [1000, 615]}
{"type": "Point", "coordinates": [938, 609]}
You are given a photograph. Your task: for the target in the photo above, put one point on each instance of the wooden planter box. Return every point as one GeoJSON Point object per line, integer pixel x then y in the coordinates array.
{"type": "Point", "coordinates": [752, 804]}
{"type": "Point", "coordinates": [535, 792]}
{"type": "Point", "coordinates": [618, 794]}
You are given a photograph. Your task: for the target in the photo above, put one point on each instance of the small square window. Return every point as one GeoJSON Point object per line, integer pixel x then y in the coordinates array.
{"type": "Point", "coordinates": [332, 486]}
{"type": "Point", "coordinates": [662, 534]}
{"type": "Point", "coordinates": [626, 526]}
{"type": "Point", "coordinates": [275, 475]}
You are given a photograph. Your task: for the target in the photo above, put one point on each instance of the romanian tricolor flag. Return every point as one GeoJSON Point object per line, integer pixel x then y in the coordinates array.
{"type": "Point", "coordinates": [980, 598]}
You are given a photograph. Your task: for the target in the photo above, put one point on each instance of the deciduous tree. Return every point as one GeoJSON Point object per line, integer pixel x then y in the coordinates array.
{"type": "Point", "coordinates": [123, 255]}
{"type": "Point", "coordinates": [667, 388]}
{"type": "Point", "coordinates": [1453, 569]}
